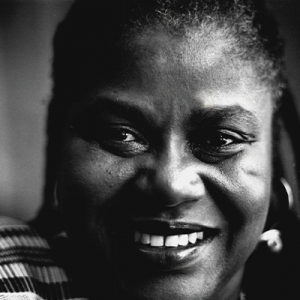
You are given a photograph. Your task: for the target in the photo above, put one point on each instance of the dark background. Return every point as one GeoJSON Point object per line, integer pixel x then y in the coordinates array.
{"type": "Point", "coordinates": [26, 31]}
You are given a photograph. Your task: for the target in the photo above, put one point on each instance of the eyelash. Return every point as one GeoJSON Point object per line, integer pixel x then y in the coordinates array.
{"type": "Point", "coordinates": [220, 136]}
{"type": "Point", "coordinates": [124, 134]}
{"type": "Point", "coordinates": [203, 146]}
{"type": "Point", "coordinates": [121, 140]}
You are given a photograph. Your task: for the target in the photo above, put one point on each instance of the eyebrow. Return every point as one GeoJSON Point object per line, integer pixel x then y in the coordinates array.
{"type": "Point", "coordinates": [211, 116]}
{"type": "Point", "coordinates": [229, 114]}
{"type": "Point", "coordinates": [140, 112]}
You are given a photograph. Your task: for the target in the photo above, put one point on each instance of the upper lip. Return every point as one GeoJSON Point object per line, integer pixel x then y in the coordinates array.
{"type": "Point", "coordinates": [158, 227]}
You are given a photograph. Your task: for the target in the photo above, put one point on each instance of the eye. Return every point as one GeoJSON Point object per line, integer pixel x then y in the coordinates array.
{"type": "Point", "coordinates": [121, 140]}
{"type": "Point", "coordinates": [217, 145]}
{"type": "Point", "coordinates": [120, 135]}
{"type": "Point", "coordinates": [219, 140]}
{"type": "Point", "coordinates": [124, 141]}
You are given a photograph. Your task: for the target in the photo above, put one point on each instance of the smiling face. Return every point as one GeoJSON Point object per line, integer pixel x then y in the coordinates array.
{"type": "Point", "coordinates": [166, 171]}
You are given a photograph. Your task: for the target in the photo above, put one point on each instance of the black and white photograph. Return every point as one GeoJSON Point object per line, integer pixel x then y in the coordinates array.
{"type": "Point", "coordinates": [149, 149]}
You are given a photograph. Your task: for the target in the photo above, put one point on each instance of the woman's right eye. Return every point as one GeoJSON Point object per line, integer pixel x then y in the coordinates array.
{"type": "Point", "coordinates": [121, 135]}
{"type": "Point", "coordinates": [121, 140]}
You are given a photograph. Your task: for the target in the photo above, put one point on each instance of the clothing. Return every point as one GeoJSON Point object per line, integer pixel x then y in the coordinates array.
{"type": "Point", "coordinates": [27, 267]}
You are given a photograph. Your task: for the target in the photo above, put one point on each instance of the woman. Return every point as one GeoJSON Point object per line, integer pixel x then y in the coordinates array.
{"type": "Point", "coordinates": [162, 152]}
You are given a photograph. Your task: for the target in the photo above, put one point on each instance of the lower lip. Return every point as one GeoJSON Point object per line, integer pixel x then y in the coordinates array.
{"type": "Point", "coordinates": [167, 258]}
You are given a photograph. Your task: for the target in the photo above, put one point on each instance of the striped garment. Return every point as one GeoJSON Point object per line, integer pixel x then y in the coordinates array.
{"type": "Point", "coordinates": [27, 270]}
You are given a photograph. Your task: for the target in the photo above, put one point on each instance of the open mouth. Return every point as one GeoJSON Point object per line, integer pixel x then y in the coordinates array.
{"type": "Point", "coordinates": [168, 241]}
{"type": "Point", "coordinates": [159, 246]}
{"type": "Point", "coordinates": [170, 235]}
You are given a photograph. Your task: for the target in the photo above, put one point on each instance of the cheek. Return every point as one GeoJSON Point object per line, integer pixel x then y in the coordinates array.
{"type": "Point", "coordinates": [90, 181]}
{"type": "Point", "coordinates": [244, 208]}
{"type": "Point", "coordinates": [247, 185]}
{"type": "Point", "coordinates": [256, 174]}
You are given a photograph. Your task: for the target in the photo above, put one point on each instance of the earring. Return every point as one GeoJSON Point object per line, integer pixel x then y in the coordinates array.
{"type": "Point", "coordinates": [273, 239]}
{"type": "Point", "coordinates": [288, 191]}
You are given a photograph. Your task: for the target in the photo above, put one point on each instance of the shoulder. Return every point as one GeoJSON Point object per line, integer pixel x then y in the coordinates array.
{"type": "Point", "coordinates": [27, 266]}
{"type": "Point", "coordinates": [16, 237]}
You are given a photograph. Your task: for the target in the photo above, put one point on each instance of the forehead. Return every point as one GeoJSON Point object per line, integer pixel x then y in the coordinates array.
{"type": "Point", "coordinates": [195, 47]}
{"type": "Point", "coordinates": [169, 78]}
{"type": "Point", "coordinates": [205, 55]}
{"type": "Point", "coordinates": [197, 61]}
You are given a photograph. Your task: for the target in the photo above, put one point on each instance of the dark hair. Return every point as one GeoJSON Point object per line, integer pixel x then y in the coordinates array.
{"type": "Point", "coordinates": [94, 31]}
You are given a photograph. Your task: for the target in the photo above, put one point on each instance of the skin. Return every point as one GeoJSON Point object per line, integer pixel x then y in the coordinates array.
{"type": "Point", "coordinates": [195, 149]}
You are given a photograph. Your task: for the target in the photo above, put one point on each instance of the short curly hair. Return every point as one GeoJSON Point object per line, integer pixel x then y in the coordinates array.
{"type": "Point", "coordinates": [94, 29]}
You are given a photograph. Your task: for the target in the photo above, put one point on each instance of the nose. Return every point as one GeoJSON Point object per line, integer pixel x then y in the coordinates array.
{"type": "Point", "coordinates": [174, 177]}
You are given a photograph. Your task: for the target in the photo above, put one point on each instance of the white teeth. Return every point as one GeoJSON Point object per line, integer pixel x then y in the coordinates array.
{"type": "Point", "coordinates": [200, 235]}
{"type": "Point", "coordinates": [157, 240]}
{"type": "Point", "coordinates": [172, 241]}
{"type": "Point", "coordinates": [183, 239]}
{"type": "Point", "coordinates": [193, 237]}
{"type": "Point", "coordinates": [145, 238]}
{"type": "Point", "coordinates": [167, 241]}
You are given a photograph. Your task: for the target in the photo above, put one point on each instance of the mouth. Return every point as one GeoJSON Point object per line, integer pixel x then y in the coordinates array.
{"type": "Point", "coordinates": [168, 241]}
{"type": "Point", "coordinates": [170, 234]}
{"type": "Point", "coordinates": [159, 245]}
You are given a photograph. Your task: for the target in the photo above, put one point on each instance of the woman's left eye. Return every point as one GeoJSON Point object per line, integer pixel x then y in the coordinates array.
{"type": "Point", "coordinates": [219, 140]}
{"type": "Point", "coordinates": [217, 145]}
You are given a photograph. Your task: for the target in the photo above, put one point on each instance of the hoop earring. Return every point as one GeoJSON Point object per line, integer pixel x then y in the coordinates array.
{"type": "Point", "coordinates": [272, 237]}
{"type": "Point", "coordinates": [288, 191]}
{"type": "Point", "coordinates": [55, 198]}
{"type": "Point", "coordinates": [273, 240]}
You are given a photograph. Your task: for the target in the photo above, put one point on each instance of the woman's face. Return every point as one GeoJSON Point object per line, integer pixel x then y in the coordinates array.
{"type": "Point", "coordinates": [166, 171]}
